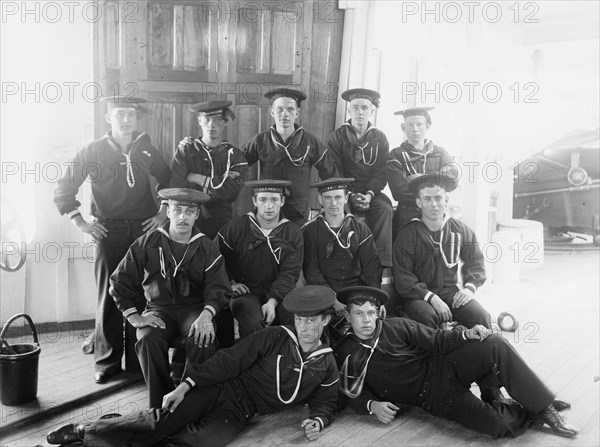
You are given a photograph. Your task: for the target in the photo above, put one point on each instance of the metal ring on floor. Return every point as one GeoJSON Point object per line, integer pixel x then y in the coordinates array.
{"type": "Point", "coordinates": [513, 327]}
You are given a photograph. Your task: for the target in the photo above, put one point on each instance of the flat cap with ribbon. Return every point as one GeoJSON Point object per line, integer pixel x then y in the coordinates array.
{"type": "Point", "coordinates": [276, 93]}
{"type": "Point", "coordinates": [214, 108]}
{"type": "Point", "coordinates": [362, 292]}
{"type": "Point", "coordinates": [134, 102]}
{"type": "Point", "coordinates": [280, 186]}
{"type": "Point", "coordinates": [363, 93]}
{"type": "Point", "coordinates": [184, 196]}
{"type": "Point", "coordinates": [332, 184]}
{"type": "Point", "coordinates": [416, 111]}
{"type": "Point", "coordinates": [432, 179]}
{"type": "Point", "coordinates": [309, 301]}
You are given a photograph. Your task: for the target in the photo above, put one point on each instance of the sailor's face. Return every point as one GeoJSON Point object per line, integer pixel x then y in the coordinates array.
{"type": "Point", "coordinates": [333, 202]}
{"type": "Point", "coordinates": [212, 126]}
{"type": "Point", "coordinates": [309, 329]}
{"type": "Point", "coordinates": [415, 127]}
{"type": "Point", "coordinates": [182, 218]}
{"type": "Point", "coordinates": [360, 110]}
{"type": "Point", "coordinates": [268, 205]}
{"type": "Point", "coordinates": [122, 120]}
{"type": "Point", "coordinates": [432, 201]}
{"type": "Point", "coordinates": [284, 111]}
{"type": "Point", "coordinates": [363, 319]}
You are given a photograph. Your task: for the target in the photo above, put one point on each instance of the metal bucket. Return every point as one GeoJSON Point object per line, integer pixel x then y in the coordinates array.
{"type": "Point", "coordinates": [19, 367]}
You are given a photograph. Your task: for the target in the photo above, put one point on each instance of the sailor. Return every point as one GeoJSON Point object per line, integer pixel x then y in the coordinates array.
{"type": "Point", "coordinates": [417, 155]}
{"type": "Point", "coordinates": [286, 151]}
{"type": "Point", "coordinates": [263, 254]}
{"type": "Point", "coordinates": [211, 164]}
{"type": "Point", "coordinates": [360, 151]}
{"type": "Point", "coordinates": [262, 373]}
{"type": "Point", "coordinates": [118, 167]}
{"type": "Point", "coordinates": [177, 275]}
{"type": "Point", "coordinates": [385, 364]}
{"type": "Point", "coordinates": [428, 253]}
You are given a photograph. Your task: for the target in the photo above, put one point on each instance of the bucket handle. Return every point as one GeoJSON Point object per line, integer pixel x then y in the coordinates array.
{"type": "Point", "coordinates": [13, 318]}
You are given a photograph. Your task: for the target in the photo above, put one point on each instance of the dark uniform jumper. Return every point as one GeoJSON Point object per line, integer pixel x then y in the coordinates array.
{"type": "Point", "coordinates": [269, 264]}
{"type": "Point", "coordinates": [427, 263]}
{"type": "Point", "coordinates": [290, 160]}
{"type": "Point", "coordinates": [215, 163]}
{"type": "Point", "coordinates": [174, 282]}
{"type": "Point", "coordinates": [364, 160]}
{"type": "Point", "coordinates": [121, 200]}
{"type": "Point", "coordinates": [408, 363]}
{"type": "Point", "coordinates": [262, 373]}
{"type": "Point", "coordinates": [340, 257]}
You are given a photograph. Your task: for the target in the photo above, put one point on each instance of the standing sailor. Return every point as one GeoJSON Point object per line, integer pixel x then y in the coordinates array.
{"type": "Point", "coordinates": [118, 167]}
{"type": "Point", "coordinates": [212, 165]}
{"type": "Point", "coordinates": [287, 151]}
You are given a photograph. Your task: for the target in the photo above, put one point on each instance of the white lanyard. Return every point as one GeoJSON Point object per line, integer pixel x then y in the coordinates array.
{"type": "Point", "coordinates": [336, 235]}
{"type": "Point", "coordinates": [273, 252]}
{"type": "Point", "coordinates": [296, 162]}
{"type": "Point", "coordinates": [453, 237]}
{"type": "Point", "coordinates": [278, 373]}
{"type": "Point", "coordinates": [373, 158]}
{"type": "Point", "coordinates": [163, 270]}
{"type": "Point", "coordinates": [212, 167]}
{"type": "Point", "coordinates": [130, 177]}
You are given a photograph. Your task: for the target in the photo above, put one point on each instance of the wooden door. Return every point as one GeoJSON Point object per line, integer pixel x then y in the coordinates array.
{"type": "Point", "coordinates": [178, 52]}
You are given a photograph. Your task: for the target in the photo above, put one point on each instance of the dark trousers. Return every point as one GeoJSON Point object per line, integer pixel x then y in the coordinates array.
{"type": "Point", "coordinates": [211, 416]}
{"type": "Point", "coordinates": [468, 315]}
{"type": "Point", "coordinates": [153, 345]}
{"type": "Point", "coordinates": [379, 220]}
{"type": "Point", "coordinates": [446, 390]}
{"type": "Point", "coordinates": [108, 344]}
{"type": "Point", "coordinates": [246, 309]}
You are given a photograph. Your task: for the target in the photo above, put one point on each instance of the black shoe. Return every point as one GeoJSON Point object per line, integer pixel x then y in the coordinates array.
{"type": "Point", "coordinates": [493, 394]}
{"type": "Point", "coordinates": [561, 405]}
{"type": "Point", "coordinates": [555, 421]}
{"type": "Point", "coordinates": [101, 378]}
{"type": "Point", "coordinates": [66, 434]}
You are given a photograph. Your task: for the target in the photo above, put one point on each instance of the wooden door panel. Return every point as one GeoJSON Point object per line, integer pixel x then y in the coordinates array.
{"type": "Point", "coordinates": [283, 44]}
{"type": "Point", "coordinates": [160, 31]}
{"type": "Point", "coordinates": [182, 42]}
{"type": "Point", "coordinates": [267, 43]}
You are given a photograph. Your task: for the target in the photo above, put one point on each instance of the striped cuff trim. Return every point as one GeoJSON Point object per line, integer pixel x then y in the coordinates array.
{"type": "Point", "coordinates": [428, 297]}
{"type": "Point", "coordinates": [471, 287]}
{"type": "Point", "coordinates": [130, 311]}
{"type": "Point", "coordinates": [321, 423]}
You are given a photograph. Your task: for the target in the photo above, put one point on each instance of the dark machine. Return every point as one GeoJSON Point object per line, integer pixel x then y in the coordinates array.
{"type": "Point", "coordinates": [560, 187]}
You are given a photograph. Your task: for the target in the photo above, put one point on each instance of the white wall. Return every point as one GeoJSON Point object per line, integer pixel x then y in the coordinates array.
{"type": "Point", "coordinates": [46, 115]}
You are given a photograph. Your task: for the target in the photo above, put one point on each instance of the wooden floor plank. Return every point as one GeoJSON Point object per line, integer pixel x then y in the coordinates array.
{"type": "Point", "coordinates": [562, 299]}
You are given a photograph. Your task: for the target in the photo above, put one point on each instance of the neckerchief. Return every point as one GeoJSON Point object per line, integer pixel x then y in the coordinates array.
{"type": "Point", "coordinates": [339, 233]}
{"type": "Point", "coordinates": [175, 272]}
{"type": "Point", "coordinates": [292, 147]}
{"type": "Point", "coordinates": [200, 145]}
{"type": "Point", "coordinates": [272, 239]}
{"type": "Point", "coordinates": [128, 165]}
{"type": "Point", "coordinates": [361, 146]}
